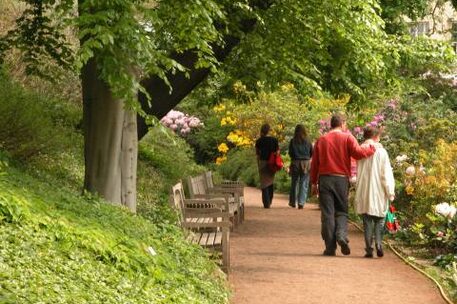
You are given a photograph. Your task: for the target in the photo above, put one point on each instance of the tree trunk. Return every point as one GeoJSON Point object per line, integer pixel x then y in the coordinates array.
{"type": "Point", "coordinates": [110, 142]}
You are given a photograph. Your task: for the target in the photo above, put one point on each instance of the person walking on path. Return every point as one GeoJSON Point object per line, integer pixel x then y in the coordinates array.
{"type": "Point", "coordinates": [264, 146]}
{"type": "Point", "coordinates": [300, 152]}
{"type": "Point", "coordinates": [330, 172]}
{"type": "Point", "coordinates": [375, 187]}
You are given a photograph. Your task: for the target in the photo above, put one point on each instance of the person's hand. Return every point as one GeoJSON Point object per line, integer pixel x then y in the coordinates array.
{"type": "Point", "coordinates": [314, 190]}
{"type": "Point", "coordinates": [391, 197]}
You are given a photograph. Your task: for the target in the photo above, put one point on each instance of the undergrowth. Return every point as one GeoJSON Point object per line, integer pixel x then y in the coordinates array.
{"type": "Point", "coordinates": [59, 247]}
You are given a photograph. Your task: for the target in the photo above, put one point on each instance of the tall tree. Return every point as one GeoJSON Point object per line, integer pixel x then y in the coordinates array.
{"type": "Point", "coordinates": [120, 42]}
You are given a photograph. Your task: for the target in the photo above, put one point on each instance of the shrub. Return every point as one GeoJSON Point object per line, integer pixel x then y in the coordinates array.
{"type": "Point", "coordinates": [26, 128]}
{"type": "Point", "coordinates": [206, 139]}
{"type": "Point", "coordinates": [282, 109]}
{"type": "Point", "coordinates": [241, 165]}
{"type": "Point", "coordinates": [180, 123]}
{"type": "Point", "coordinates": [165, 158]}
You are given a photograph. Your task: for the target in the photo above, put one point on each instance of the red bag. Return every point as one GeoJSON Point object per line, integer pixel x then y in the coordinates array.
{"type": "Point", "coordinates": [275, 162]}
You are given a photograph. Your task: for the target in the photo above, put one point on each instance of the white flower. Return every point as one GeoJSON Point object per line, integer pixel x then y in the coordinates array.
{"type": "Point", "coordinates": [422, 169]}
{"type": "Point", "coordinates": [401, 158]}
{"type": "Point", "coordinates": [410, 170]}
{"type": "Point", "coordinates": [445, 210]}
{"type": "Point", "coordinates": [452, 212]}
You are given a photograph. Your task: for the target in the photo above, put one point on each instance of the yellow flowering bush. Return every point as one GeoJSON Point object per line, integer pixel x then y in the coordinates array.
{"type": "Point", "coordinates": [434, 174]}
{"type": "Point", "coordinates": [430, 182]}
{"type": "Point", "coordinates": [282, 109]}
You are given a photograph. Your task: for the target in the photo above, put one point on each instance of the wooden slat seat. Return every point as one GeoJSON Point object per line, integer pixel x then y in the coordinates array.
{"type": "Point", "coordinates": [207, 220]}
{"type": "Point", "coordinates": [198, 189]}
{"type": "Point", "coordinates": [235, 188]}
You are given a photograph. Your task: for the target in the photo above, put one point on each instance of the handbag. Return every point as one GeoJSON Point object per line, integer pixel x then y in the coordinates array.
{"type": "Point", "coordinates": [392, 223]}
{"type": "Point", "coordinates": [275, 162]}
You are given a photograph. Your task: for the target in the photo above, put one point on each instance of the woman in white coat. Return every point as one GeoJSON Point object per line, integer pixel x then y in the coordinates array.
{"type": "Point", "coordinates": [375, 187]}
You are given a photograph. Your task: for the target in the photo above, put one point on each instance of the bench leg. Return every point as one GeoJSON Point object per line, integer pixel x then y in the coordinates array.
{"type": "Point", "coordinates": [226, 250]}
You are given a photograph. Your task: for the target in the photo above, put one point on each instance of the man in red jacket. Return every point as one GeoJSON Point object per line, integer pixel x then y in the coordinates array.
{"type": "Point", "coordinates": [330, 173]}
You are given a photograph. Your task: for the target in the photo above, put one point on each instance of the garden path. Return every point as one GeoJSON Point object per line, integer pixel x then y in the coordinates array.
{"type": "Point", "coordinates": [276, 259]}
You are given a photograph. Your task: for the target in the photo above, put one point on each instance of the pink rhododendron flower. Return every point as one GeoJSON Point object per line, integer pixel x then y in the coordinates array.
{"type": "Point", "coordinates": [179, 122]}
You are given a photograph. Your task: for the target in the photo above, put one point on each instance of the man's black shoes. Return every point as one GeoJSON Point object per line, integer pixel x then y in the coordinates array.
{"type": "Point", "coordinates": [379, 251]}
{"type": "Point", "coordinates": [329, 253]}
{"type": "Point", "coordinates": [344, 246]}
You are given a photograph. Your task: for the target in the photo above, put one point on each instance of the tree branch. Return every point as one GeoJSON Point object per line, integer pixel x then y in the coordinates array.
{"type": "Point", "coordinates": [162, 99]}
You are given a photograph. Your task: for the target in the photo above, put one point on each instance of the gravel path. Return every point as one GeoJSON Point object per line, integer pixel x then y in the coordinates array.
{"type": "Point", "coordinates": [276, 258]}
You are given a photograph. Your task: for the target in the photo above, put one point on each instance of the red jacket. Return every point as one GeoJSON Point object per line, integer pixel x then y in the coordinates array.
{"type": "Point", "coordinates": [332, 154]}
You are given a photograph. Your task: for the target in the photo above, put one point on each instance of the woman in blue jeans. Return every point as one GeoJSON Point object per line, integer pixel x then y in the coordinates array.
{"type": "Point", "coordinates": [300, 151]}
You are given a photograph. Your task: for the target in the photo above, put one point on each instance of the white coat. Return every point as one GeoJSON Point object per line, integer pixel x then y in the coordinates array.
{"type": "Point", "coordinates": [375, 182]}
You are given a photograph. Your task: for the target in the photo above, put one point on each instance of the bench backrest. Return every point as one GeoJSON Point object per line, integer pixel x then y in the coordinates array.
{"type": "Point", "coordinates": [209, 179]}
{"type": "Point", "coordinates": [197, 185]}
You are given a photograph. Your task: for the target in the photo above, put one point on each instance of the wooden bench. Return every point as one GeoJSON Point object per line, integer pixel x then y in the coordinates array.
{"type": "Point", "coordinates": [234, 187]}
{"type": "Point", "coordinates": [198, 190]}
{"type": "Point", "coordinates": [206, 220]}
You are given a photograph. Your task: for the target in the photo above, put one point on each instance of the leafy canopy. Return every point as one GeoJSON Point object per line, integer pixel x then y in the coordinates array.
{"type": "Point", "coordinates": [334, 46]}
{"type": "Point", "coordinates": [128, 39]}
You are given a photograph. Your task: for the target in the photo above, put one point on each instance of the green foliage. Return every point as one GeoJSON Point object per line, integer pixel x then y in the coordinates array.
{"type": "Point", "coordinates": [58, 243]}
{"type": "Point", "coordinates": [241, 165]}
{"type": "Point", "coordinates": [164, 158]}
{"type": "Point", "coordinates": [55, 242]}
{"type": "Point", "coordinates": [338, 47]}
{"type": "Point", "coordinates": [423, 55]}
{"type": "Point", "coordinates": [393, 13]}
{"type": "Point", "coordinates": [128, 39]}
{"type": "Point", "coordinates": [27, 128]}
{"type": "Point", "coordinates": [206, 139]}
{"type": "Point", "coordinates": [39, 36]}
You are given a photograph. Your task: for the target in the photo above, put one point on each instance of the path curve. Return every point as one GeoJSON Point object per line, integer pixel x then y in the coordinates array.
{"type": "Point", "coordinates": [276, 258]}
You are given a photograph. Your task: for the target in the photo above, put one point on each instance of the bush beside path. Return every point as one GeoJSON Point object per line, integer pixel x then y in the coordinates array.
{"type": "Point", "coordinates": [277, 258]}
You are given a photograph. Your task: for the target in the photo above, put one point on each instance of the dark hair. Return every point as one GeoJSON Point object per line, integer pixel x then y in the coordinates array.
{"type": "Point", "coordinates": [337, 120]}
{"type": "Point", "coordinates": [370, 132]}
{"type": "Point", "coordinates": [300, 134]}
{"type": "Point", "coordinates": [264, 129]}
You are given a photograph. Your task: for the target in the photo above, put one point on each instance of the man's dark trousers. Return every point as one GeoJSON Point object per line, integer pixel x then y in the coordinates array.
{"type": "Point", "coordinates": [333, 200]}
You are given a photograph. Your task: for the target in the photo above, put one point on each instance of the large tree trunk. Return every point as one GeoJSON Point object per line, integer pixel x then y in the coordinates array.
{"type": "Point", "coordinates": [110, 142]}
